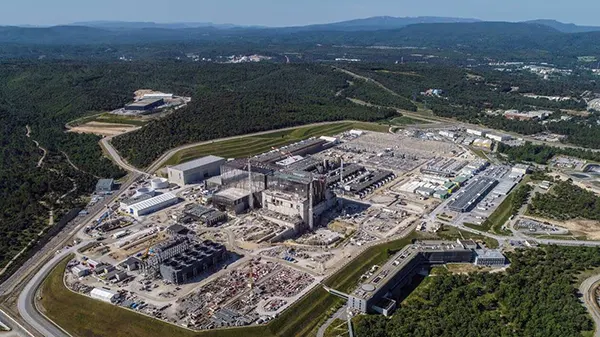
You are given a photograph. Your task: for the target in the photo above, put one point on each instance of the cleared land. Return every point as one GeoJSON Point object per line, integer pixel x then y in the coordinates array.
{"type": "Point", "coordinates": [252, 145]}
{"type": "Point", "coordinates": [103, 129]}
{"type": "Point", "coordinates": [82, 316]}
{"type": "Point", "coordinates": [405, 120]}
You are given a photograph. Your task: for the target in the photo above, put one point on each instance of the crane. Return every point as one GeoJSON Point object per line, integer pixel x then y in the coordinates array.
{"type": "Point", "coordinates": [147, 251]}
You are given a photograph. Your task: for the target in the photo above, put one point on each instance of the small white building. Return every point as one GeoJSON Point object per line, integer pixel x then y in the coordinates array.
{"type": "Point", "coordinates": [158, 95]}
{"type": "Point", "coordinates": [498, 138]}
{"type": "Point", "coordinates": [449, 134]}
{"type": "Point", "coordinates": [475, 132]}
{"type": "Point", "coordinates": [521, 169]}
{"type": "Point", "coordinates": [103, 295]}
{"type": "Point", "coordinates": [153, 204]}
{"type": "Point", "coordinates": [80, 270]}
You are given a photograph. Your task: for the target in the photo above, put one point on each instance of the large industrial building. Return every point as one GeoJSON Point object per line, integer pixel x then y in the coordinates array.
{"type": "Point", "coordinates": [153, 204]}
{"type": "Point", "coordinates": [195, 171]}
{"type": "Point", "coordinates": [377, 292]}
{"type": "Point", "coordinates": [145, 105]}
{"type": "Point", "coordinates": [298, 194]}
{"type": "Point", "coordinates": [473, 194]}
{"type": "Point", "coordinates": [192, 261]}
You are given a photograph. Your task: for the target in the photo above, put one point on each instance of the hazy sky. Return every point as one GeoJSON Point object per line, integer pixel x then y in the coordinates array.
{"type": "Point", "coordinates": [289, 12]}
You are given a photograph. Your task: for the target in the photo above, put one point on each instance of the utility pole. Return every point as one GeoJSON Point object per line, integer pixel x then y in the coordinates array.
{"type": "Point", "coordinates": [251, 196]}
{"type": "Point", "coordinates": [310, 203]}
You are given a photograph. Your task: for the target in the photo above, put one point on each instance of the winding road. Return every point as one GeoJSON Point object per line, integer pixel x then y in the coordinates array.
{"type": "Point", "coordinates": [586, 289]}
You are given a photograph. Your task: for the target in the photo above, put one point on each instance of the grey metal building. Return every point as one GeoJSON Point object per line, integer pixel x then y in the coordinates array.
{"type": "Point", "coordinates": [195, 171]}
{"type": "Point", "coordinates": [145, 104]}
{"type": "Point", "coordinates": [192, 262]}
{"type": "Point", "coordinates": [473, 194]}
{"type": "Point", "coordinates": [105, 185]}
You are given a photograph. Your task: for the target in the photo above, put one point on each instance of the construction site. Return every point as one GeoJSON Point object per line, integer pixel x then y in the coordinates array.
{"type": "Point", "coordinates": [223, 243]}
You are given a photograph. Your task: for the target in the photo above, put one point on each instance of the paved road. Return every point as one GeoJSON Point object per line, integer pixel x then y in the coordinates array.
{"type": "Point", "coordinates": [26, 299]}
{"type": "Point", "coordinates": [17, 330]}
{"type": "Point", "coordinates": [105, 142]}
{"type": "Point", "coordinates": [589, 300]}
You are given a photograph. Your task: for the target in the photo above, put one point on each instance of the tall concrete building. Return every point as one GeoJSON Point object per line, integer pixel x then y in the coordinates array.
{"type": "Point", "coordinates": [195, 171]}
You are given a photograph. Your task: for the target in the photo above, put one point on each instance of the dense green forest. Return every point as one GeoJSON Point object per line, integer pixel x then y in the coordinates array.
{"type": "Point", "coordinates": [534, 297]}
{"type": "Point", "coordinates": [238, 99]}
{"type": "Point", "coordinates": [566, 201]}
{"type": "Point", "coordinates": [541, 154]}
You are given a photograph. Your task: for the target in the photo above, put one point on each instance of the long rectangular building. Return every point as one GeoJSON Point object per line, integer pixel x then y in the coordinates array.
{"type": "Point", "coordinates": [153, 204]}
{"type": "Point", "coordinates": [371, 295]}
{"type": "Point", "coordinates": [473, 194]}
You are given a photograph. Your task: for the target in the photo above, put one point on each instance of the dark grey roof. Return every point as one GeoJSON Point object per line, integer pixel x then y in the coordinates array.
{"type": "Point", "coordinates": [197, 163]}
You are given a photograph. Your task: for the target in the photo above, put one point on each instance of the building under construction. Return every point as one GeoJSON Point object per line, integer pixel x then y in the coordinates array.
{"type": "Point", "coordinates": [195, 260]}
{"type": "Point", "coordinates": [298, 194]}
{"type": "Point", "coordinates": [180, 260]}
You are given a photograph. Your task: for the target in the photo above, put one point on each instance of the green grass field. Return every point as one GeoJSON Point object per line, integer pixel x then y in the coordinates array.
{"type": "Point", "coordinates": [453, 233]}
{"type": "Point", "coordinates": [82, 316]}
{"type": "Point", "coordinates": [109, 118]}
{"type": "Point", "coordinates": [252, 145]}
{"type": "Point", "coordinates": [405, 120]}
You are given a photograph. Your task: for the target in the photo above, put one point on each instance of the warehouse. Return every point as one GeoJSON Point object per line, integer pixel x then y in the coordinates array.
{"type": "Point", "coordinates": [474, 193]}
{"type": "Point", "coordinates": [103, 295]}
{"type": "Point", "coordinates": [521, 169]}
{"type": "Point", "coordinates": [105, 185]}
{"type": "Point", "coordinates": [80, 270]}
{"type": "Point", "coordinates": [498, 138]}
{"type": "Point", "coordinates": [195, 171]}
{"type": "Point", "coordinates": [143, 105]}
{"type": "Point", "coordinates": [153, 204]}
{"type": "Point", "coordinates": [504, 188]}
{"type": "Point", "coordinates": [124, 206]}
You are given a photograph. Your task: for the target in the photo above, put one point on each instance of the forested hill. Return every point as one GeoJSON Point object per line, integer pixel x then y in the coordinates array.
{"type": "Point", "coordinates": [482, 36]}
{"type": "Point", "coordinates": [239, 99]}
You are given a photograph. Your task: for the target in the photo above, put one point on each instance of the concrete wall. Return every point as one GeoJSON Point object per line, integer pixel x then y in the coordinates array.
{"type": "Point", "coordinates": [194, 175]}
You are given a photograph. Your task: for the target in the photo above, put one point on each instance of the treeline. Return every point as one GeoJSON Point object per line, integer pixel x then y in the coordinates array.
{"type": "Point", "coordinates": [534, 297]}
{"type": "Point", "coordinates": [541, 154]}
{"type": "Point", "coordinates": [239, 99]}
{"type": "Point", "coordinates": [566, 201]}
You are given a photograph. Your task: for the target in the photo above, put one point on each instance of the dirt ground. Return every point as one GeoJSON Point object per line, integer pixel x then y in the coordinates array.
{"type": "Point", "coordinates": [103, 129]}
{"type": "Point", "coordinates": [589, 228]}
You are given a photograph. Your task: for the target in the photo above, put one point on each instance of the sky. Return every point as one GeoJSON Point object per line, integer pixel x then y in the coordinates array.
{"type": "Point", "coordinates": [279, 13]}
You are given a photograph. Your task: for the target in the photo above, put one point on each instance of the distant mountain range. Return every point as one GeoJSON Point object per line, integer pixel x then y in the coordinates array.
{"type": "Point", "coordinates": [366, 24]}
{"type": "Point", "coordinates": [468, 35]}
{"type": "Point", "coordinates": [144, 25]}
